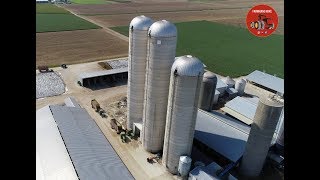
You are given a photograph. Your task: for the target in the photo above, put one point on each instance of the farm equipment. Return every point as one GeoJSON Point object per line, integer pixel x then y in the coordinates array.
{"type": "Point", "coordinates": [95, 105]}
{"type": "Point", "coordinates": [123, 136]}
{"type": "Point", "coordinates": [102, 113]}
{"type": "Point", "coordinates": [64, 66]}
{"type": "Point", "coordinates": [262, 23]}
{"type": "Point", "coordinates": [44, 69]}
{"type": "Point", "coordinates": [115, 126]}
{"type": "Point", "coordinates": [79, 83]}
{"type": "Point", "coordinates": [130, 133]}
{"type": "Point", "coordinates": [152, 158]}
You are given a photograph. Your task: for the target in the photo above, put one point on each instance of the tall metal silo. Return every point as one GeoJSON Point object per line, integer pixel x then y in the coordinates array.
{"type": "Point", "coordinates": [240, 86]}
{"type": "Point", "coordinates": [207, 91]}
{"type": "Point", "coordinates": [261, 134]}
{"type": "Point", "coordinates": [138, 39]}
{"type": "Point", "coordinates": [162, 42]}
{"type": "Point", "coordinates": [185, 84]}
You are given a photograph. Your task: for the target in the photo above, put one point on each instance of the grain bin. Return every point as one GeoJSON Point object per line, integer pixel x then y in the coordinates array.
{"type": "Point", "coordinates": [207, 91]}
{"type": "Point", "coordinates": [229, 82]}
{"type": "Point", "coordinates": [184, 165]}
{"type": "Point", "coordinates": [162, 42]}
{"type": "Point", "coordinates": [185, 83]}
{"type": "Point", "coordinates": [239, 86]}
{"type": "Point", "coordinates": [138, 38]}
{"type": "Point", "coordinates": [262, 129]}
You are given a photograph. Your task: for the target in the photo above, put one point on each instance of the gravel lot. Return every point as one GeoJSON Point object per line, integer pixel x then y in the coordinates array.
{"type": "Point", "coordinates": [49, 84]}
{"type": "Point", "coordinates": [119, 63]}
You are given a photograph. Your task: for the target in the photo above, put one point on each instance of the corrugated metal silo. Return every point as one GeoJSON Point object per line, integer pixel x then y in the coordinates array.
{"type": "Point", "coordinates": [185, 84]}
{"type": "Point", "coordinates": [261, 133]}
{"type": "Point", "coordinates": [138, 39]}
{"type": "Point", "coordinates": [207, 91]}
{"type": "Point", "coordinates": [240, 86]}
{"type": "Point", "coordinates": [162, 42]}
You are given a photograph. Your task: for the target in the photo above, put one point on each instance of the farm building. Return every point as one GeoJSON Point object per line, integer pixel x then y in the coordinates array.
{"type": "Point", "coordinates": [225, 135]}
{"type": "Point", "coordinates": [207, 172]}
{"type": "Point", "coordinates": [244, 109]}
{"type": "Point", "coordinates": [266, 81]}
{"type": "Point", "coordinates": [87, 79]}
{"type": "Point", "coordinates": [221, 87]}
{"type": "Point", "coordinates": [42, 1]}
{"type": "Point", "coordinates": [68, 149]}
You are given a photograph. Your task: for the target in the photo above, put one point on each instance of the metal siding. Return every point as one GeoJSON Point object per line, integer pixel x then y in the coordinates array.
{"type": "Point", "coordinates": [185, 82]}
{"type": "Point", "coordinates": [160, 57]}
{"type": "Point", "coordinates": [91, 153]}
{"type": "Point", "coordinates": [267, 80]}
{"type": "Point", "coordinates": [138, 40]}
{"type": "Point", "coordinates": [260, 137]}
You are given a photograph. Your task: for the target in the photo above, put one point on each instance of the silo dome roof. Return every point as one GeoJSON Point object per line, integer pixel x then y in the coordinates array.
{"type": "Point", "coordinates": [209, 75]}
{"type": "Point", "coordinates": [163, 28]}
{"type": "Point", "coordinates": [141, 23]}
{"type": "Point", "coordinates": [185, 159]}
{"type": "Point", "coordinates": [229, 81]}
{"type": "Point", "coordinates": [187, 66]}
{"type": "Point", "coordinates": [242, 81]}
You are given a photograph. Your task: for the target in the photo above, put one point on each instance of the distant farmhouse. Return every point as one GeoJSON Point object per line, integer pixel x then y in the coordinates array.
{"type": "Point", "coordinates": [53, 1]}
{"type": "Point", "coordinates": [42, 1]}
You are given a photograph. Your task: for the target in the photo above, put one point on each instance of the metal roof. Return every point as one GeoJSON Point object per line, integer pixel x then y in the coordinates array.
{"type": "Point", "coordinates": [208, 172]}
{"type": "Point", "coordinates": [91, 153]}
{"type": "Point", "coordinates": [232, 91]}
{"type": "Point", "coordinates": [221, 84]}
{"type": "Point", "coordinates": [187, 66]}
{"type": "Point", "coordinates": [71, 102]}
{"type": "Point", "coordinates": [52, 158]}
{"type": "Point", "coordinates": [267, 80]}
{"type": "Point", "coordinates": [242, 109]}
{"type": "Point", "coordinates": [217, 133]}
{"type": "Point", "coordinates": [141, 23]}
{"type": "Point", "coordinates": [86, 75]}
{"type": "Point", "coordinates": [163, 28]}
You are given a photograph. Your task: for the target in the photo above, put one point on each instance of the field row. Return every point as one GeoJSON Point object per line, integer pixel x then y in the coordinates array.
{"type": "Point", "coordinates": [228, 50]}
{"type": "Point", "coordinates": [50, 18]}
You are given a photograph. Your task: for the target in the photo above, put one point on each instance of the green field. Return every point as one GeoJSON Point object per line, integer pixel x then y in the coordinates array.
{"type": "Point", "coordinates": [51, 18]}
{"type": "Point", "coordinates": [90, 2]}
{"type": "Point", "coordinates": [50, 9]}
{"type": "Point", "coordinates": [228, 50]}
{"type": "Point", "coordinates": [61, 22]}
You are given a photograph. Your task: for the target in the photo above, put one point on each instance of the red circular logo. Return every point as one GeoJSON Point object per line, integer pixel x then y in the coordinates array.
{"type": "Point", "coordinates": [262, 20]}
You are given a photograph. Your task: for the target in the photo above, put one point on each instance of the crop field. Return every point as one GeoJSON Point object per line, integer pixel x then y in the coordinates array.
{"type": "Point", "coordinates": [50, 18]}
{"type": "Point", "coordinates": [210, 15]}
{"type": "Point", "coordinates": [90, 2]}
{"type": "Point", "coordinates": [50, 9]}
{"type": "Point", "coordinates": [228, 50]}
{"type": "Point", "coordinates": [70, 47]}
{"type": "Point", "coordinates": [127, 8]}
{"type": "Point", "coordinates": [61, 22]}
